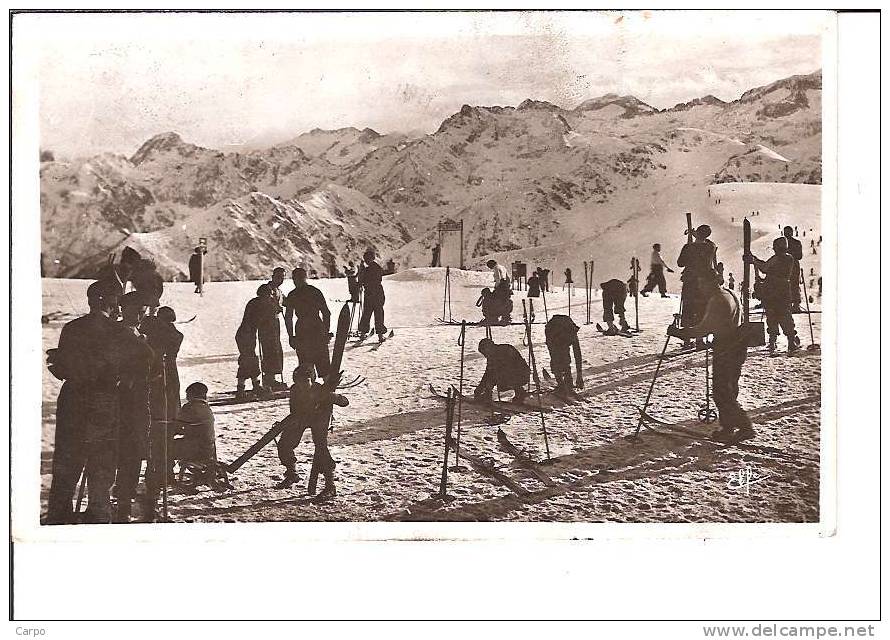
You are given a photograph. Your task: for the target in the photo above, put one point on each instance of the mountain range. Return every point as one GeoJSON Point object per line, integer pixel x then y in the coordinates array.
{"type": "Point", "coordinates": [520, 178]}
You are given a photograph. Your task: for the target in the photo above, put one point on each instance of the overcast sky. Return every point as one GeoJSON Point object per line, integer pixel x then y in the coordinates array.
{"type": "Point", "coordinates": [109, 82]}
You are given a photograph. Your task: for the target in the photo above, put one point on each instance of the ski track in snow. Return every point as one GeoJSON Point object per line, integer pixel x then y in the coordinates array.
{"type": "Point", "coordinates": [389, 441]}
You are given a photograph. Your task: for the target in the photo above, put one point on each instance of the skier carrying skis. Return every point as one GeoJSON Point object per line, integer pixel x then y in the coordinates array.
{"type": "Point", "coordinates": [614, 295]}
{"type": "Point", "coordinates": [657, 267]}
{"type": "Point", "coordinates": [371, 280]}
{"type": "Point", "coordinates": [561, 336]}
{"type": "Point", "coordinates": [505, 369]}
{"type": "Point", "coordinates": [721, 319]}
{"type": "Point", "coordinates": [311, 406]}
{"type": "Point", "coordinates": [137, 361]}
{"type": "Point", "coordinates": [776, 294]}
{"type": "Point", "coordinates": [795, 250]}
{"type": "Point", "coordinates": [697, 258]}
{"type": "Point", "coordinates": [310, 333]}
{"type": "Point", "coordinates": [86, 410]}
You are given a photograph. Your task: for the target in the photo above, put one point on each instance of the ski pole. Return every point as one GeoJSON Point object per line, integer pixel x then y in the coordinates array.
{"type": "Point", "coordinates": [534, 368]}
{"type": "Point", "coordinates": [449, 418]}
{"type": "Point", "coordinates": [813, 346]}
{"type": "Point", "coordinates": [460, 396]}
{"type": "Point", "coordinates": [544, 298]}
{"type": "Point", "coordinates": [164, 476]}
{"type": "Point", "coordinates": [652, 384]}
{"type": "Point", "coordinates": [586, 296]}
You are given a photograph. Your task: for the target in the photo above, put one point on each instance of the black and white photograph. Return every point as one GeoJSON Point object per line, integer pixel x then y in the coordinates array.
{"type": "Point", "coordinates": [569, 268]}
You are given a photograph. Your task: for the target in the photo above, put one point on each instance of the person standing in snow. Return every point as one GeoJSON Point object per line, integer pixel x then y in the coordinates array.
{"type": "Point", "coordinates": [307, 320]}
{"type": "Point", "coordinates": [795, 250]}
{"type": "Point", "coordinates": [657, 267]}
{"type": "Point", "coordinates": [371, 280]}
{"type": "Point", "coordinates": [721, 319]}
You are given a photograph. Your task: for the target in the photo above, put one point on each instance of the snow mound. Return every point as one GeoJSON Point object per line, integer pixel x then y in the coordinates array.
{"type": "Point", "coordinates": [437, 274]}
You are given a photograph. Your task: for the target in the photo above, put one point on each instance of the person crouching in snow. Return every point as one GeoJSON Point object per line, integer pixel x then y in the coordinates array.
{"type": "Point", "coordinates": [505, 369]}
{"type": "Point", "coordinates": [311, 407]}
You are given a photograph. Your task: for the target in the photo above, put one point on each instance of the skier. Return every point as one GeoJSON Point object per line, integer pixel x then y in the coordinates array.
{"type": "Point", "coordinates": [795, 250]}
{"type": "Point", "coordinates": [246, 339]}
{"type": "Point", "coordinates": [505, 369]}
{"type": "Point", "coordinates": [498, 273]}
{"type": "Point", "coordinates": [544, 276]}
{"type": "Point", "coordinates": [310, 333]}
{"type": "Point", "coordinates": [561, 335]}
{"type": "Point", "coordinates": [776, 294]}
{"type": "Point", "coordinates": [355, 290]}
{"type": "Point", "coordinates": [278, 274]}
{"type": "Point", "coordinates": [696, 258]}
{"type": "Point", "coordinates": [311, 406]}
{"type": "Point", "coordinates": [657, 267]}
{"type": "Point", "coordinates": [390, 267]}
{"type": "Point", "coordinates": [165, 340]}
{"type": "Point", "coordinates": [269, 335]}
{"type": "Point", "coordinates": [137, 366]}
{"type": "Point", "coordinates": [533, 286]}
{"type": "Point", "coordinates": [196, 268]}
{"type": "Point", "coordinates": [721, 319]}
{"type": "Point", "coordinates": [86, 410]}
{"type": "Point", "coordinates": [614, 295]}
{"type": "Point", "coordinates": [437, 252]}
{"type": "Point", "coordinates": [731, 283]}
{"type": "Point", "coordinates": [148, 283]}
{"type": "Point", "coordinates": [569, 282]}
{"type": "Point", "coordinates": [372, 282]}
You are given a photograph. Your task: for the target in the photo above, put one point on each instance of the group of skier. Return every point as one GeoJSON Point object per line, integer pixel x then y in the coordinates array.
{"type": "Point", "coordinates": [119, 403]}
{"type": "Point", "coordinates": [307, 320]}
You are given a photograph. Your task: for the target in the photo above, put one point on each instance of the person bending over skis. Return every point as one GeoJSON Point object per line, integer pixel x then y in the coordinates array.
{"type": "Point", "coordinates": [561, 336]}
{"type": "Point", "coordinates": [505, 369]}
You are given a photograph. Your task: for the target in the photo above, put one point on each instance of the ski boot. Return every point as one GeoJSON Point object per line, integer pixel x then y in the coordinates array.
{"type": "Point", "coordinates": [723, 434]}
{"type": "Point", "coordinates": [745, 433]}
{"type": "Point", "coordinates": [381, 338]}
{"type": "Point", "coordinates": [241, 395]}
{"type": "Point", "coordinates": [771, 346]}
{"type": "Point", "coordinates": [261, 392]}
{"type": "Point", "coordinates": [793, 345]}
{"type": "Point", "coordinates": [645, 294]}
{"type": "Point", "coordinates": [624, 326]}
{"type": "Point", "coordinates": [290, 479]}
{"type": "Point", "coordinates": [611, 330]}
{"type": "Point", "coordinates": [122, 512]}
{"type": "Point", "coordinates": [330, 491]}
{"type": "Point", "coordinates": [520, 396]}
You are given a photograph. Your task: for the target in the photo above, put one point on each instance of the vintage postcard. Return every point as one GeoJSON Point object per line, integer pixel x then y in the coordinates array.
{"type": "Point", "coordinates": [554, 274]}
